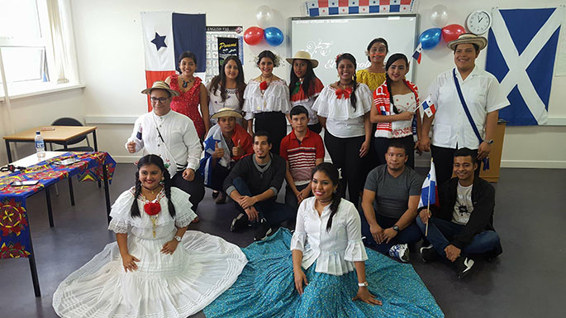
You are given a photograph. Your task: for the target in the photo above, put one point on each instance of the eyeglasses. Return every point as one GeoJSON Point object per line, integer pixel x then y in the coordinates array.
{"type": "Point", "coordinates": [11, 168]}
{"type": "Point", "coordinates": [159, 99]}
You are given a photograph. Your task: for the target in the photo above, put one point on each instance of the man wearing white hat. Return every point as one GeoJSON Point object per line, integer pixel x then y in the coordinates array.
{"type": "Point", "coordinates": [173, 137]}
{"type": "Point", "coordinates": [225, 144]}
{"type": "Point", "coordinates": [467, 100]}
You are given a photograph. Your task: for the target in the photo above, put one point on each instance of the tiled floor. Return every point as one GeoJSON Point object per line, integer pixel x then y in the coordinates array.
{"type": "Point", "coordinates": [527, 280]}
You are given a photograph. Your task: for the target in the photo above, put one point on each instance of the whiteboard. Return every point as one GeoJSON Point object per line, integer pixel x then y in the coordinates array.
{"type": "Point", "coordinates": [326, 37]}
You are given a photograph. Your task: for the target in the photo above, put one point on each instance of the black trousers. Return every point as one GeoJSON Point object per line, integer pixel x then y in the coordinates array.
{"type": "Point", "coordinates": [195, 188]}
{"type": "Point", "coordinates": [444, 163]}
{"type": "Point", "coordinates": [275, 123]}
{"type": "Point", "coordinates": [345, 154]}
{"type": "Point", "coordinates": [381, 145]}
{"type": "Point", "coordinates": [317, 128]}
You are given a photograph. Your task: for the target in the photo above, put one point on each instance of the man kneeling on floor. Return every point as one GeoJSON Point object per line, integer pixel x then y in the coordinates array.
{"type": "Point", "coordinates": [463, 224]}
{"type": "Point", "coordinates": [253, 184]}
{"type": "Point", "coordinates": [390, 200]}
{"type": "Point", "coordinates": [226, 143]}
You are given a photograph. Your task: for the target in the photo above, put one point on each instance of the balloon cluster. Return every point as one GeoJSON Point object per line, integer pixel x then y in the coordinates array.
{"type": "Point", "coordinates": [272, 35]}
{"type": "Point", "coordinates": [431, 37]}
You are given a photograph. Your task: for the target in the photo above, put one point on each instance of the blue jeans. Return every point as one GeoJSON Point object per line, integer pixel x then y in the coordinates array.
{"type": "Point", "coordinates": [275, 213]}
{"type": "Point", "coordinates": [410, 234]}
{"type": "Point", "coordinates": [440, 232]}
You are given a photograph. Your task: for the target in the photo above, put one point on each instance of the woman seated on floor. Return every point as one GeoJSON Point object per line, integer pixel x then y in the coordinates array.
{"type": "Point", "coordinates": [145, 273]}
{"type": "Point", "coordinates": [323, 270]}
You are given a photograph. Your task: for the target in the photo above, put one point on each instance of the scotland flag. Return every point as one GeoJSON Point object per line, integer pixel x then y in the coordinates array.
{"type": "Point", "coordinates": [521, 52]}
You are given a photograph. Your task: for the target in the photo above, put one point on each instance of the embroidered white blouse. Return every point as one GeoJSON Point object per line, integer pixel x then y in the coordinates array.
{"type": "Point", "coordinates": [274, 99]}
{"type": "Point", "coordinates": [342, 120]}
{"type": "Point", "coordinates": [142, 227]}
{"type": "Point", "coordinates": [334, 251]}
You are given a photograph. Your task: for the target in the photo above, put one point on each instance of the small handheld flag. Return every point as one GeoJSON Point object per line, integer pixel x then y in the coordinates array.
{"type": "Point", "coordinates": [428, 107]}
{"type": "Point", "coordinates": [418, 53]}
{"type": "Point", "coordinates": [429, 191]}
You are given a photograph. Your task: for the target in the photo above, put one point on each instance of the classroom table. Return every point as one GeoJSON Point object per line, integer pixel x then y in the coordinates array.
{"type": "Point", "coordinates": [15, 236]}
{"type": "Point", "coordinates": [62, 134]}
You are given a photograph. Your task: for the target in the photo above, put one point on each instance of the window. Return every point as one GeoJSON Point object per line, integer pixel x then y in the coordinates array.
{"type": "Point", "coordinates": [35, 58]}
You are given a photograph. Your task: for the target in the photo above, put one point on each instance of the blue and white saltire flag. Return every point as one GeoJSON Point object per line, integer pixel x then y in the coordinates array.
{"type": "Point", "coordinates": [521, 52]}
{"type": "Point", "coordinates": [213, 137]}
{"type": "Point", "coordinates": [429, 191]}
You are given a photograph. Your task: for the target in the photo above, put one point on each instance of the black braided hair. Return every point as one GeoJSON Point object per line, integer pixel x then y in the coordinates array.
{"type": "Point", "coordinates": [332, 173]}
{"type": "Point", "coordinates": [308, 81]}
{"type": "Point", "coordinates": [392, 59]}
{"type": "Point", "coordinates": [352, 59]}
{"type": "Point", "coordinates": [156, 160]}
{"type": "Point", "coordinates": [218, 82]}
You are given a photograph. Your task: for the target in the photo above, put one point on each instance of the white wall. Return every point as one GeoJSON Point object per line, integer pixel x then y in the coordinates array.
{"type": "Point", "coordinates": [110, 54]}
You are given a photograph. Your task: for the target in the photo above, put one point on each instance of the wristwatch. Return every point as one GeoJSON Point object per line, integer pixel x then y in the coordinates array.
{"type": "Point", "coordinates": [364, 284]}
{"type": "Point", "coordinates": [178, 238]}
{"type": "Point", "coordinates": [489, 142]}
{"type": "Point", "coordinates": [396, 228]}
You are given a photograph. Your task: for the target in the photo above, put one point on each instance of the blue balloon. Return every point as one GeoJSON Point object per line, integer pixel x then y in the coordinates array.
{"type": "Point", "coordinates": [430, 38]}
{"type": "Point", "coordinates": [273, 36]}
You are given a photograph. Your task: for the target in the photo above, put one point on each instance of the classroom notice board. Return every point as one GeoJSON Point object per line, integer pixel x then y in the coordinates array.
{"type": "Point", "coordinates": [326, 37]}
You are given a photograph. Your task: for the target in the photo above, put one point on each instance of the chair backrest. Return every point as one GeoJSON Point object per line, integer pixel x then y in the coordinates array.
{"type": "Point", "coordinates": [68, 121]}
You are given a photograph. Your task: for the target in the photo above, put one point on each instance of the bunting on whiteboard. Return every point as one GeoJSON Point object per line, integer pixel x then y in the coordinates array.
{"type": "Point", "coordinates": [317, 8]}
{"type": "Point", "coordinates": [166, 35]}
{"type": "Point", "coordinates": [521, 52]}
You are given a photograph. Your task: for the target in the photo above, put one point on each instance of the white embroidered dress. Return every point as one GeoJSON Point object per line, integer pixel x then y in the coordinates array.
{"type": "Point", "coordinates": [178, 285]}
{"type": "Point", "coordinates": [334, 251]}
{"type": "Point", "coordinates": [274, 99]}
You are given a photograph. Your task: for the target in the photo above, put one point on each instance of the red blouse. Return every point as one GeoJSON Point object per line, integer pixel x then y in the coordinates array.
{"type": "Point", "coordinates": [187, 103]}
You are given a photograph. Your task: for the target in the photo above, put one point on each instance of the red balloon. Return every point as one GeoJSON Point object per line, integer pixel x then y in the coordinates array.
{"type": "Point", "coordinates": [253, 35]}
{"type": "Point", "coordinates": [451, 32]}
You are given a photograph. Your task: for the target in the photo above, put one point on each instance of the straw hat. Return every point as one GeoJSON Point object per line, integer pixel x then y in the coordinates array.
{"type": "Point", "coordinates": [226, 112]}
{"type": "Point", "coordinates": [469, 38]}
{"type": "Point", "coordinates": [160, 85]}
{"type": "Point", "coordinates": [302, 55]}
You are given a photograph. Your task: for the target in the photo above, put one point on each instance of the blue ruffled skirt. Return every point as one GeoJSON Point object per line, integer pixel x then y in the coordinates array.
{"type": "Point", "coordinates": [266, 288]}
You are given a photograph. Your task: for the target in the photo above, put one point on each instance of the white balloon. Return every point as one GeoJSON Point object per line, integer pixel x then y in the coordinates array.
{"type": "Point", "coordinates": [264, 16]}
{"type": "Point", "coordinates": [439, 15]}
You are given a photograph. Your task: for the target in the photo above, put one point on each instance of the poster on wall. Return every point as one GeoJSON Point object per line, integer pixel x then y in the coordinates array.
{"type": "Point", "coordinates": [222, 41]}
{"type": "Point", "coordinates": [226, 47]}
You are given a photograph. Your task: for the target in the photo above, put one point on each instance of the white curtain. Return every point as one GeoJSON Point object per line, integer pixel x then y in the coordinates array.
{"type": "Point", "coordinates": [63, 68]}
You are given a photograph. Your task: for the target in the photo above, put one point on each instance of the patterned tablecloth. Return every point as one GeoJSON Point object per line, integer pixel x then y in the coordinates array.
{"type": "Point", "coordinates": [14, 227]}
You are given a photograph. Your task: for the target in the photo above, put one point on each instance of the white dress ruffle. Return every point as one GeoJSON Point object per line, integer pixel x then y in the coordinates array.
{"type": "Point", "coordinates": [334, 251]}
{"type": "Point", "coordinates": [274, 99]}
{"type": "Point", "coordinates": [328, 105]}
{"type": "Point", "coordinates": [178, 285]}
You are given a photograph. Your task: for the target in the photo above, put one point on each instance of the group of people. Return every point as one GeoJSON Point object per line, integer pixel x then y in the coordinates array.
{"type": "Point", "coordinates": [314, 270]}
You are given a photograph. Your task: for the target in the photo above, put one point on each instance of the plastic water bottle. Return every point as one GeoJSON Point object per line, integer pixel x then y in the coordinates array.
{"type": "Point", "coordinates": [39, 145]}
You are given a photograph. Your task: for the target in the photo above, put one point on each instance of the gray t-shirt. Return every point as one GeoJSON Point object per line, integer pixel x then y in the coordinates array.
{"type": "Point", "coordinates": [392, 194]}
{"type": "Point", "coordinates": [463, 207]}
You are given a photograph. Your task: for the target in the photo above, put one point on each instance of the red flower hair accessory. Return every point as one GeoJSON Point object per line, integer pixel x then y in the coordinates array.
{"type": "Point", "coordinates": [152, 208]}
{"type": "Point", "coordinates": [263, 85]}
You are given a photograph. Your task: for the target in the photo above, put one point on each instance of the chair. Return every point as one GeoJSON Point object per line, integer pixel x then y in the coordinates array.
{"type": "Point", "coordinates": [67, 121]}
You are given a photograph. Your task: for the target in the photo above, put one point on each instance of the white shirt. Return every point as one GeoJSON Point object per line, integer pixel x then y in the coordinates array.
{"type": "Point", "coordinates": [452, 128]}
{"type": "Point", "coordinates": [463, 207]}
{"type": "Point", "coordinates": [342, 120]}
{"type": "Point", "coordinates": [216, 103]}
{"type": "Point", "coordinates": [274, 99]}
{"type": "Point", "coordinates": [180, 147]}
{"type": "Point", "coordinates": [334, 251]}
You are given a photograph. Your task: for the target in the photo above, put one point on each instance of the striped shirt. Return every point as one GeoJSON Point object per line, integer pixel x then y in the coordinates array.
{"type": "Point", "coordinates": [302, 155]}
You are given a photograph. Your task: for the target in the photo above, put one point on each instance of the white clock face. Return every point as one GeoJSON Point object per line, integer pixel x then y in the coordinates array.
{"type": "Point", "coordinates": [478, 22]}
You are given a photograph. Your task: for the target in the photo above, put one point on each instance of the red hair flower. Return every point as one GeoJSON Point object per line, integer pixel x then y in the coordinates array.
{"type": "Point", "coordinates": [152, 208]}
{"type": "Point", "coordinates": [263, 85]}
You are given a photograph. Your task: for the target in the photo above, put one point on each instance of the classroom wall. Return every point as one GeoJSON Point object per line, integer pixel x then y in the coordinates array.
{"type": "Point", "coordinates": [110, 56]}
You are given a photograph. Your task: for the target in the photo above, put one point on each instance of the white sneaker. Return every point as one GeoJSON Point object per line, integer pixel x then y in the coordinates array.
{"type": "Point", "coordinates": [400, 251]}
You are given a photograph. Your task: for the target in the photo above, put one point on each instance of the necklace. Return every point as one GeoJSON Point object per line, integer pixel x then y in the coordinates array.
{"type": "Point", "coordinates": [186, 83]}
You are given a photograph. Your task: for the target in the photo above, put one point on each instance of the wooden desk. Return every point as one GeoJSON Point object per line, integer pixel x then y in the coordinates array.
{"type": "Point", "coordinates": [62, 134]}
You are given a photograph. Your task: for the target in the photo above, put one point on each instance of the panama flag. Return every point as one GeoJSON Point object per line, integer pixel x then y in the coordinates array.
{"type": "Point", "coordinates": [428, 107]}
{"type": "Point", "coordinates": [166, 35]}
{"type": "Point", "coordinates": [429, 191]}
{"type": "Point", "coordinates": [418, 53]}
{"type": "Point", "coordinates": [520, 53]}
